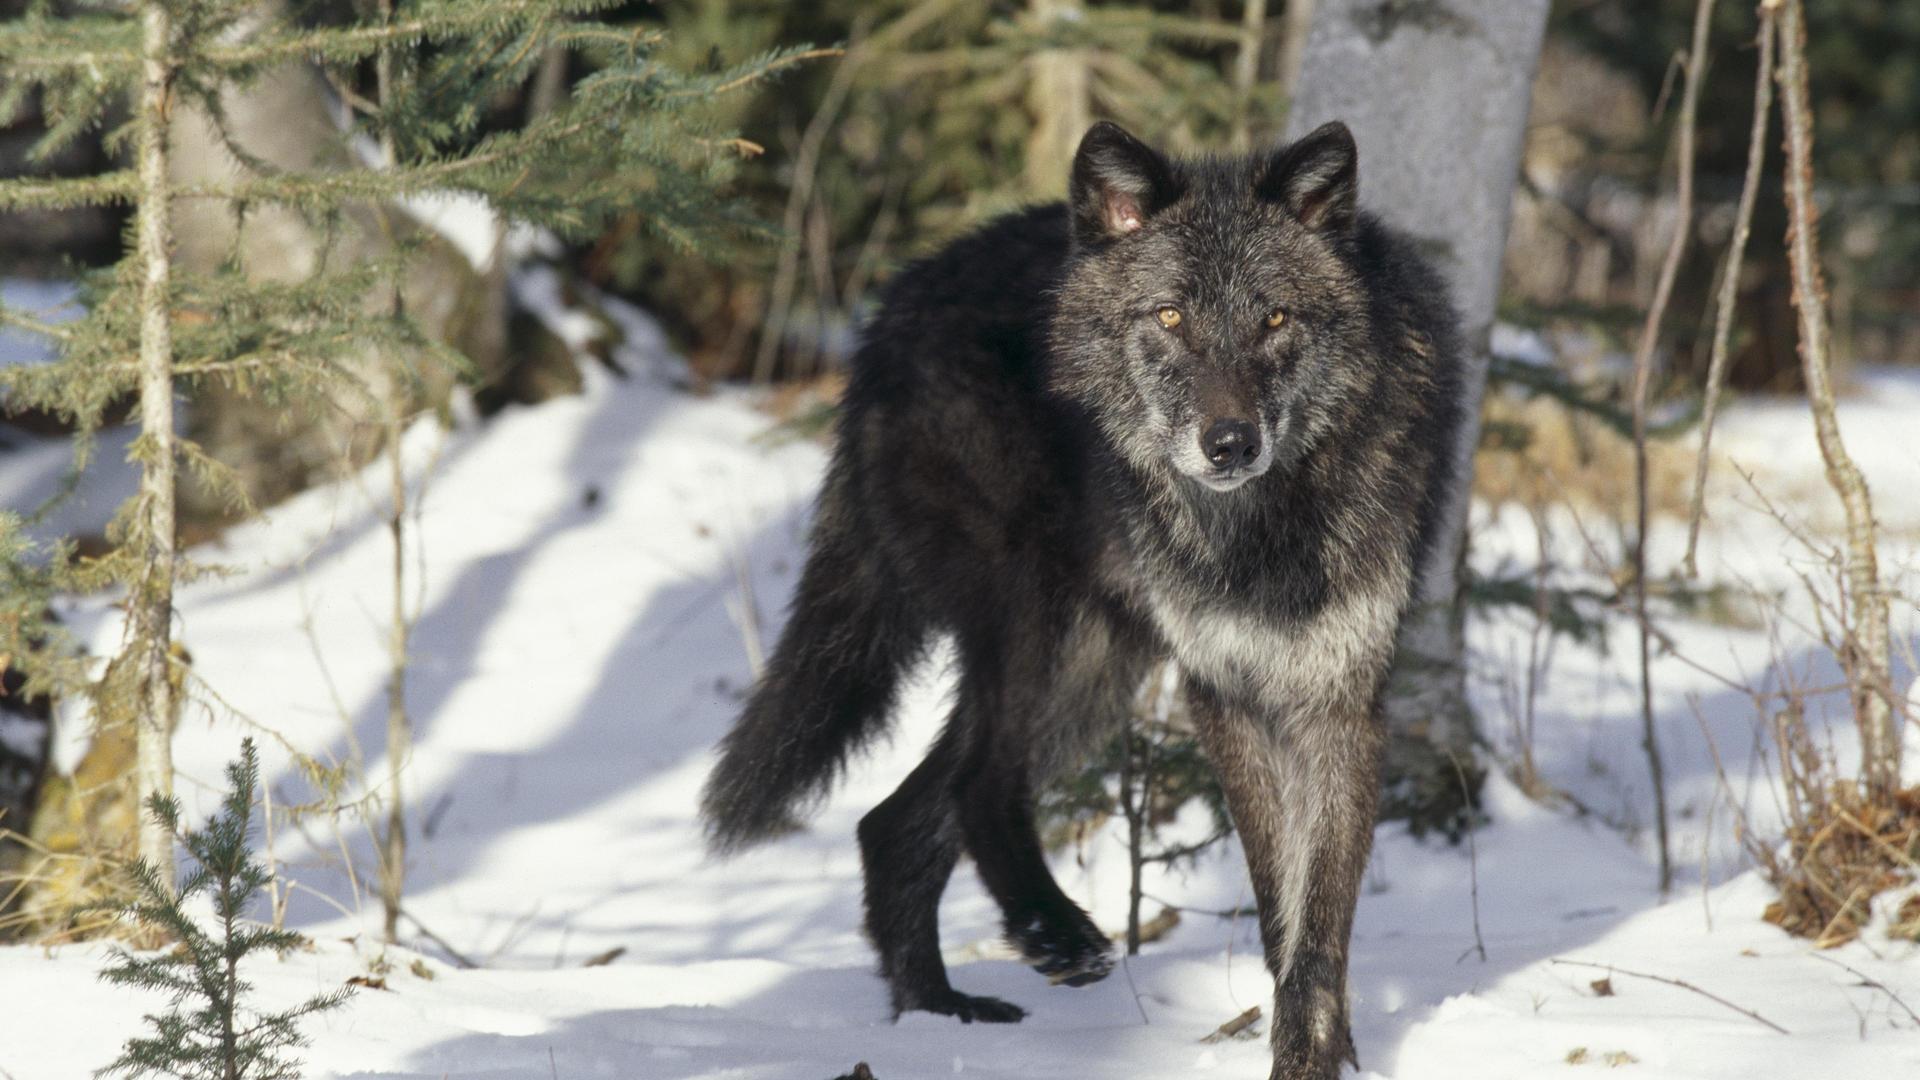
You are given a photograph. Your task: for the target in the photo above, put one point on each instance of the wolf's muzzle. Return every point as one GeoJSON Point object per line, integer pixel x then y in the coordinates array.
{"type": "Point", "coordinates": [1230, 444]}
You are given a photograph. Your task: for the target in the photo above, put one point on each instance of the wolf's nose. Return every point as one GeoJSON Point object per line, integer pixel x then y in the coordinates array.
{"type": "Point", "coordinates": [1229, 443]}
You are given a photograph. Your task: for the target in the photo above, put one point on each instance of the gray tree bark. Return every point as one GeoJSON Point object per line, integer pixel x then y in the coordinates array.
{"type": "Point", "coordinates": [1437, 93]}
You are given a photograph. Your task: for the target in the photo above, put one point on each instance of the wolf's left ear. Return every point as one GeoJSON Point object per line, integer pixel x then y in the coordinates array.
{"type": "Point", "coordinates": [1317, 178]}
{"type": "Point", "coordinates": [1118, 183]}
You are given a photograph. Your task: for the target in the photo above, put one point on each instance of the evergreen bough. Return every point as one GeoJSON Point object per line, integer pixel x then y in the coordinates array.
{"type": "Point", "coordinates": [631, 137]}
{"type": "Point", "coordinates": [210, 1031]}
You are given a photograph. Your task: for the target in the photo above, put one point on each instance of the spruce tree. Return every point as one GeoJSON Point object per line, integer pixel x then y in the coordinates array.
{"type": "Point", "coordinates": [210, 1030]}
{"type": "Point", "coordinates": [633, 138]}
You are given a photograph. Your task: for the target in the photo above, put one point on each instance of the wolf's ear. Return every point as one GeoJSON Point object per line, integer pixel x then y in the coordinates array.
{"type": "Point", "coordinates": [1317, 178]}
{"type": "Point", "coordinates": [1118, 183]}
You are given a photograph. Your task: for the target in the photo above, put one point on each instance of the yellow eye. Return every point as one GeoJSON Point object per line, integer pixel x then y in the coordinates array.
{"type": "Point", "coordinates": [1275, 318]}
{"type": "Point", "coordinates": [1169, 317]}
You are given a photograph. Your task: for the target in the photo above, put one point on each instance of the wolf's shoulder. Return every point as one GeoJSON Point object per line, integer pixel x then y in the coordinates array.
{"type": "Point", "coordinates": [976, 311]}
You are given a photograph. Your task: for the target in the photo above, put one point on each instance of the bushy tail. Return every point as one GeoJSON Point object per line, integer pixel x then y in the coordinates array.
{"type": "Point", "coordinates": [826, 690]}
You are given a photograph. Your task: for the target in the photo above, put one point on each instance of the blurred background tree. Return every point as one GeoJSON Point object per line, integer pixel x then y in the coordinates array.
{"type": "Point", "coordinates": [1589, 225]}
{"type": "Point", "coordinates": [941, 114]}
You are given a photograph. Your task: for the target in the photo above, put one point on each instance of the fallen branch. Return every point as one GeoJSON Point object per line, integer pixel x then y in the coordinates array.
{"type": "Point", "coordinates": [602, 959]}
{"type": "Point", "coordinates": [1159, 926]}
{"type": "Point", "coordinates": [1232, 1029]}
{"type": "Point", "coordinates": [1681, 983]}
{"type": "Point", "coordinates": [456, 955]}
{"type": "Point", "coordinates": [1868, 980]}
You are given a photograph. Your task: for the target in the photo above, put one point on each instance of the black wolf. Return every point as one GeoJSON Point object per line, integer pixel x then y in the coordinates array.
{"type": "Point", "coordinates": [1205, 411]}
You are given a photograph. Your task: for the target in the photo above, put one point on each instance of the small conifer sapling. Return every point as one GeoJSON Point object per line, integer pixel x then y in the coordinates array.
{"type": "Point", "coordinates": [210, 1030]}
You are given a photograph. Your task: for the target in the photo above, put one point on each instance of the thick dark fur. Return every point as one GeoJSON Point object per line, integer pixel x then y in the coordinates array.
{"type": "Point", "coordinates": [1203, 411]}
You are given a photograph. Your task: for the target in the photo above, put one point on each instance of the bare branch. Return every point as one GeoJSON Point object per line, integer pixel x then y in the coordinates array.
{"type": "Point", "coordinates": [1730, 282]}
{"type": "Point", "coordinates": [1642, 380]}
{"type": "Point", "coordinates": [1866, 659]}
{"type": "Point", "coordinates": [1868, 980]}
{"type": "Point", "coordinates": [1681, 983]}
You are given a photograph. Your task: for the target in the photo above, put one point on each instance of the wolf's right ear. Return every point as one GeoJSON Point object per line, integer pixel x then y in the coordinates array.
{"type": "Point", "coordinates": [1118, 183]}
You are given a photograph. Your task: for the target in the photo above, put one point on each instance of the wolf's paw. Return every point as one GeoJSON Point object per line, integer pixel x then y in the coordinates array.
{"type": "Point", "coordinates": [968, 1008]}
{"type": "Point", "coordinates": [1077, 955]}
{"type": "Point", "coordinates": [1312, 1039]}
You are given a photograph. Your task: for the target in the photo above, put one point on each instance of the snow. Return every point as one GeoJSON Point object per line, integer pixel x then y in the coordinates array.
{"type": "Point", "coordinates": [36, 468]}
{"type": "Point", "coordinates": [49, 301]}
{"type": "Point", "coordinates": [465, 220]}
{"type": "Point", "coordinates": [21, 736]}
{"type": "Point", "coordinates": [1521, 345]}
{"type": "Point", "coordinates": [587, 576]}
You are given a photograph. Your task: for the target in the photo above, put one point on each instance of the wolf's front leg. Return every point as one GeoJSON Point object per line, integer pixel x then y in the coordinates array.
{"type": "Point", "coordinates": [1302, 792]}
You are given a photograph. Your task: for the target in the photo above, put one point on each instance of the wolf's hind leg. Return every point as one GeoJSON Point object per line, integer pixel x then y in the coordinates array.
{"type": "Point", "coordinates": [1010, 711]}
{"type": "Point", "coordinates": [908, 845]}
{"type": "Point", "coordinates": [1055, 936]}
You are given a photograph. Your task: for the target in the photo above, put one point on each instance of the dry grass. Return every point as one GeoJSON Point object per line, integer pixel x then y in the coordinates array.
{"type": "Point", "coordinates": [63, 897]}
{"type": "Point", "coordinates": [793, 399]}
{"type": "Point", "coordinates": [1841, 853]}
{"type": "Point", "coordinates": [1571, 458]}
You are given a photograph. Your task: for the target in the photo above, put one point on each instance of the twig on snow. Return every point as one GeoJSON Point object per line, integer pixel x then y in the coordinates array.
{"type": "Point", "coordinates": [1233, 1028]}
{"type": "Point", "coordinates": [1868, 980]}
{"type": "Point", "coordinates": [1682, 984]}
{"type": "Point", "coordinates": [456, 955]}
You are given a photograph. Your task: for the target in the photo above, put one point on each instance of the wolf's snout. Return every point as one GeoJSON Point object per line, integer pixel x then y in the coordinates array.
{"type": "Point", "coordinates": [1230, 443]}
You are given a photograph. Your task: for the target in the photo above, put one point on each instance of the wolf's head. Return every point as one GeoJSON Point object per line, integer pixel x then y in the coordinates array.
{"type": "Point", "coordinates": [1211, 319]}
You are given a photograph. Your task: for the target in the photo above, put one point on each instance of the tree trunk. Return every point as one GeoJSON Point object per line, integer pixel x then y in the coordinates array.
{"type": "Point", "coordinates": [150, 606]}
{"type": "Point", "coordinates": [1297, 27]}
{"type": "Point", "coordinates": [1060, 98]}
{"type": "Point", "coordinates": [1437, 95]}
{"type": "Point", "coordinates": [393, 845]}
{"type": "Point", "coordinates": [1865, 648]}
{"type": "Point", "coordinates": [1246, 69]}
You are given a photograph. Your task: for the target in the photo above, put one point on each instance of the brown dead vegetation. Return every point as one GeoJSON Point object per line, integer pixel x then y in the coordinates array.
{"type": "Point", "coordinates": [1842, 850]}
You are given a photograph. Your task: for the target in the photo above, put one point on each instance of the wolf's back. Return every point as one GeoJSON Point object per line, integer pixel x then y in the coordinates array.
{"type": "Point", "coordinates": [940, 429]}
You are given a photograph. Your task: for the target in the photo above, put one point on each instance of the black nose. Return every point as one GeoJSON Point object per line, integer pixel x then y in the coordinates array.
{"type": "Point", "coordinates": [1230, 443]}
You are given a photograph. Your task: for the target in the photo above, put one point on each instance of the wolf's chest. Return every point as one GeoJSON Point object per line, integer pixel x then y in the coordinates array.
{"type": "Point", "coordinates": [1329, 659]}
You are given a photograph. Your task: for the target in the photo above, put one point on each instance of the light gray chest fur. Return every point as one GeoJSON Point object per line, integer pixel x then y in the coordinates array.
{"type": "Point", "coordinates": [1314, 665]}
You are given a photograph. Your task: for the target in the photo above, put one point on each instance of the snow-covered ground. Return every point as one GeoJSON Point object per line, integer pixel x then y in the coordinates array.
{"type": "Point", "coordinates": [591, 577]}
